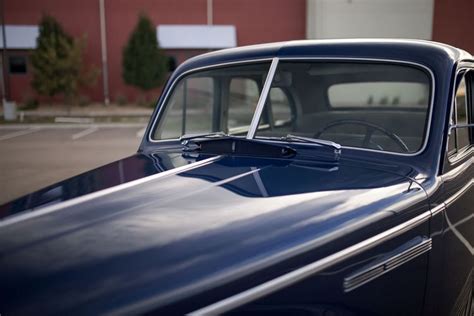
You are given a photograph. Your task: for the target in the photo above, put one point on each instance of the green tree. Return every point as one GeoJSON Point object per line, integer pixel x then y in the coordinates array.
{"type": "Point", "coordinates": [144, 64]}
{"type": "Point", "coordinates": [75, 75]}
{"type": "Point", "coordinates": [58, 66]}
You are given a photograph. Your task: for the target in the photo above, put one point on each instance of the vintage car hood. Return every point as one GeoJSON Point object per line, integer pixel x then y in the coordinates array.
{"type": "Point", "coordinates": [177, 226]}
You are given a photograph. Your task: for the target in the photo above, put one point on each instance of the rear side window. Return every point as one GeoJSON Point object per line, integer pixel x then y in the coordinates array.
{"type": "Point", "coordinates": [460, 138]}
{"type": "Point", "coordinates": [462, 134]}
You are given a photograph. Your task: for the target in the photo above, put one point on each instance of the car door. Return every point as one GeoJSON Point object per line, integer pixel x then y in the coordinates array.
{"type": "Point", "coordinates": [458, 218]}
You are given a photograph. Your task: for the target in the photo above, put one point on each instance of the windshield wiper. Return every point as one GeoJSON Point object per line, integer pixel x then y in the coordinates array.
{"type": "Point", "coordinates": [326, 143]}
{"type": "Point", "coordinates": [187, 137]}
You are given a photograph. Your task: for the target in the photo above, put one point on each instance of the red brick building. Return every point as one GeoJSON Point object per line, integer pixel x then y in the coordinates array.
{"type": "Point", "coordinates": [252, 22]}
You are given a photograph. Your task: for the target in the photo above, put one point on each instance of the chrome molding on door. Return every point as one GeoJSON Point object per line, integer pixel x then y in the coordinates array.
{"type": "Point", "coordinates": [398, 257]}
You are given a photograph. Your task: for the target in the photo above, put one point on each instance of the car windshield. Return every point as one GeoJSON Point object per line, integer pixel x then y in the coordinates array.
{"type": "Point", "coordinates": [370, 105]}
{"type": "Point", "coordinates": [218, 100]}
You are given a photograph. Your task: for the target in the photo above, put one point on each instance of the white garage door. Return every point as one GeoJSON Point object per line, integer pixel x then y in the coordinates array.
{"type": "Point", "coordinates": [369, 18]}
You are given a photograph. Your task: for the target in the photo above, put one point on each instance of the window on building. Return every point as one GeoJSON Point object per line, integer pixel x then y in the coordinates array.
{"type": "Point", "coordinates": [17, 64]}
{"type": "Point", "coordinates": [172, 64]}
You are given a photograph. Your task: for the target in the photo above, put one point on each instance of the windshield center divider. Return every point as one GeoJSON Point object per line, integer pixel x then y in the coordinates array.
{"type": "Point", "coordinates": [262, 99]}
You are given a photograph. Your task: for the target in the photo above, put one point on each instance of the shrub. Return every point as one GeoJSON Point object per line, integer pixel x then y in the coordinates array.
{"type": "Point", "coordinates": [83, 100]}
{"type": "Point", "coordinates": [58, 66]}
{"type": "Point", "coordinates": [144, 64]}
{"type": "Point", "coordinates": [29, 103]}
{"type": "Point", "coordinates": [121, 99]}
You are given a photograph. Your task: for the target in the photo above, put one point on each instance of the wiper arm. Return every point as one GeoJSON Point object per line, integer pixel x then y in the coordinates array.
{"type": "Point", "coordinates": [326, 143]}
{"type": "Point", "coordinates": [187, 137]}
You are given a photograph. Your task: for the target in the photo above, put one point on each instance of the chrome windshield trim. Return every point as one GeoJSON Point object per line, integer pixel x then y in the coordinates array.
{"type": "Point", "coordinates": [329, 59]}
{"type": "Point", "coordinates": [262, 99]}
{"type": "Point", "coordinates": [300, 274]}
{"type": "Point", "coordinates": [161, 103]}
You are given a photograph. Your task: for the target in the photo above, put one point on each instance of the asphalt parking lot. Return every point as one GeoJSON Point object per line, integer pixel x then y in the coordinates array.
{"type": "Point", "coordinates": [34, 156]}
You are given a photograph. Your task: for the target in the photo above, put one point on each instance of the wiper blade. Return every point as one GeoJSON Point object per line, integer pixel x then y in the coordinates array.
{"type": "Point", "coordinates": [187, 137]}
{"type": "Point", "coordinates": [326, 143]}
{"type": "Point", "coordinates": [318, 141]}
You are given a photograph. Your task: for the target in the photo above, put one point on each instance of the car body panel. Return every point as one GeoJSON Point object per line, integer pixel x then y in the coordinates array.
{"type": "Point", "coordinates": [136, 229]}
{"type": "Point", "coordinates": [168, 231]}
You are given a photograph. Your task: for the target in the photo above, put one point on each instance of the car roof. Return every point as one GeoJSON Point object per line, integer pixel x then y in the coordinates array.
{"type": "Point", "coordinates": [423, 52]}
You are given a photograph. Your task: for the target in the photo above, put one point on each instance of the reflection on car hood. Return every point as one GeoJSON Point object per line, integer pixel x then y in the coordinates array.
{"type": "Point", "coordinates": [177, 226]}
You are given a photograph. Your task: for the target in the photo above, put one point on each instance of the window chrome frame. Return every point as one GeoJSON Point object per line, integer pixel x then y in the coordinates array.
{"type": "Point", "coordinates": [262, 99]}
{"type": "Point", "coordinates": [269, 79]}
{"type": "Point", "coordinates": [455, 156]}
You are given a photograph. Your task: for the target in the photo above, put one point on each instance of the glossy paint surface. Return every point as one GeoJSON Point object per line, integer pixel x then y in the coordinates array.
{"type": "Point", "coordinates": [170, 232]}
{"type": "Point", "coordinates": [177, 235]}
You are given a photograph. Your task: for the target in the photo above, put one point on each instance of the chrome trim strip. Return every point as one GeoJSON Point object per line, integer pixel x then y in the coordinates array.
{"type": "Point", "coordinates": [300, 274]}
{"type": "Point", "coordinates": [441, 207]}
{"type": "Point", "coordinates": [262, 99]}
{"type": "Point", "coordinates": [437, 209]}
{"type": "Point", "coordinates": [32, 213]}
{"type": "Point", "coordinates": [329, 59]}
{"type": "Point", "coordinates": [455, 172]}
{"type": "Point", "coordinates": [459, 72]}
{"type": "Point", "coordinates": [459, 193]}
{"type": "Point", "coordinates": [187, 72]}
{"type": "Point", "coordinates": [378, 269]}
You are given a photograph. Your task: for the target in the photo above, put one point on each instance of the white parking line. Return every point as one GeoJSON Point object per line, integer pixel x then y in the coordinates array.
{"type": "Point", "coordinates": [85, 132]}
{"type": "Point", "coordinates": [19, 133]}
{"type": "Point", "coordinates": [141, 132]}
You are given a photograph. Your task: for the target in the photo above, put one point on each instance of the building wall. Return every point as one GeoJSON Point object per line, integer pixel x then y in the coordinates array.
{"type": "Point", "coordinates": [453, 23]}
{"type": "Point", "coordinates": [256, 21]}
{"type": "Point", "coordinates": [370, 19]}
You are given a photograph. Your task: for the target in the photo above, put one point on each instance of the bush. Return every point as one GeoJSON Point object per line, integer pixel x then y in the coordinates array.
{"type": "Point", "coordinates": [152, 102]}
{"type": "Point", "coordinates": [144, 64]}
{"type": "Point", "coordinates": [83, 100]}
{"type": "Point", "coordinates": [121, 99]}
{"type": "Point", "coordinates": [58, 66]}
{"type": "Point", "coordinates": [29, 103]}
{"type": "Point", "coordinates": [141, 100]}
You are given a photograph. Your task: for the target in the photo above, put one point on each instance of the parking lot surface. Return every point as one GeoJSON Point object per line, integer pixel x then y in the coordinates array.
{"type": "Point", "coordinates": [34, 156]}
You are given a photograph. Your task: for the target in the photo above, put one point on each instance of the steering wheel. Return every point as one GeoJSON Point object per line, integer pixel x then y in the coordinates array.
{"type": "Point", "coordinates": [370, 129]}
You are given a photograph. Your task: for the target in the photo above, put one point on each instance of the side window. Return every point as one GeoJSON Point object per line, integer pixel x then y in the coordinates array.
{"type": "Point", "coordinates": [243, 99]}
{"type": "Point", "coordinates": [462, 134]}
{"type": "Point", "coordinates": [281, 107]}
{"type": "Point", "coordinates": [460, 138]}
{"type": "Point", "coordinates": [452, 136]}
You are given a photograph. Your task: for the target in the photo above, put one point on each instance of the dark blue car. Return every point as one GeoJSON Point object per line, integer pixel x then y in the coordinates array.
{"type": "Point", "coordinates": [296, 178]}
